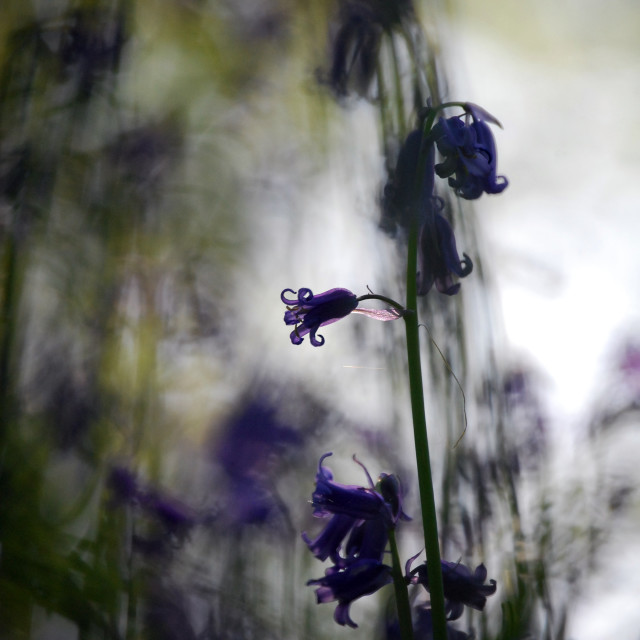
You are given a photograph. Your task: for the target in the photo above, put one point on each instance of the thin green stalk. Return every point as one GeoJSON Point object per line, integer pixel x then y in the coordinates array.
{"type": "Point", "coordinates": [400, 586]}
{"type": "Point", "coordinates": [425, 480]}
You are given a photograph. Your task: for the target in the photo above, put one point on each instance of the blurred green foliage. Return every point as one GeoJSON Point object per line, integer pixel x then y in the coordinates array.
{"type": "Point", "coordinates": [143, 146]}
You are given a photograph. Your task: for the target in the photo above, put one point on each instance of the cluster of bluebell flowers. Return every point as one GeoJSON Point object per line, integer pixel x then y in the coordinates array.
{"type": "Point", "coordinates": [354, 538]}
{"type": "Point", "coordinates": [468, 149]}
{"type": "Point", "coordinates": [462, 150]}
{"type": "Point", "coordinates": [469, 161]}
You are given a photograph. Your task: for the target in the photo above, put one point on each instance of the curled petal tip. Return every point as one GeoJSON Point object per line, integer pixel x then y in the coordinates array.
{"type": "Point", "coordinates": [478, 113]}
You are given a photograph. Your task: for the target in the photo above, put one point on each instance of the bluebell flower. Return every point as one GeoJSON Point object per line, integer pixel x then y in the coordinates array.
{"type": "Point", "coordinates": [251, 436]}
{"type": "Point", "coordinates": [361, 578]}
{"type": "Point", "coordinates": [329, 542]}
{"type": "Point", "coordinates": [438, 257]}
{"type": "Point", "coordinates": [355, 48]}
{"type": "Point", "coordinates": [399, 203]}
{"type": "Point", "coordinates": [354, 52]}
{"type": "Point", "coordinates": [308, 312]}
{"type": "Point", "coordinates": [362, 516]}
{"type": "Point", "coordinates": [250, 440]}
{"type": "Point", "coordinates": [461, 587]}
{"type": "Point", "coordinates": [331, 497]}
{"type": "Point", "coordinates": [469, 153]}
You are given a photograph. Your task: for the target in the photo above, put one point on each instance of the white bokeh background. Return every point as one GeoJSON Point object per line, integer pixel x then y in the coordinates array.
{"type": "Point", "coordinates": [562, 242]}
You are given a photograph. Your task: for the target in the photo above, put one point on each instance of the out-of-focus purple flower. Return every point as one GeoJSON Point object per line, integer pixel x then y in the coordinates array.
{"type": "Point", "coordinates": [168, 520]}
{"type": "Point", "coordinates": [422, 627]}
{"type": "Point", "coordinates": [248, 445]}
{"type": "Point", "coordinates": [361, 578]}
{"type": "Point", "coordinates": [461, 587]}
{"type": "Point", "coordinates": [399, 202]}
{"type": "Point", "coordinates": [308, 312]}
{"type": "Point", "coordinates": [175, 517]}
{"type": "Point", "coordinates": [469, 153]}
{"type": "Point", "coordinates": [251, 436]}
{"type": "Point", "coordinates": [629, 364]}
{"type": "Point", "coordinates": [92, 45]}
{"type": "Point", "coordinates": [438, 257]}
{"type": "Point", "coordinates": [354, 51]}
{"type": "Point", "coordinates": [356, 45]}
{"type": "Point", "coordinates": [249, 502]}
{"type": "Point", "coordinates": [123, 485]}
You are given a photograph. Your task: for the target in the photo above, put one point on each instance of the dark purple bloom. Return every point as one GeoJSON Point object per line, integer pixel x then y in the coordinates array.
{"type": "Point", "coordinates": [461, 587]}
{"type": "Point", "coordinates": [469, 153]}
{"type": "Point", "coordinates": [331, 497]}
{"type": "Point", "coordinates": [356, 45]}
{"type": "Point", "coordinates": [175, 517]}
{"type": "Point", "coordinates": [250, 502]}
{"type": "Point", "coordinates": [328, 543]}
{"type": "Point", "coordinates": [400, 192]}
{"type": "Point", "coordinates": [438, 257]}
{"type": "Point", "coordinates": [423, 627]}
{"type": "Point", "coordinates": [365, 515]}
{"type": "Point", "coordinates": [361, 516]}
{"type": "Point", "coordinates": [123, 485]}
{"type": "Point", "coordinates": [167, 519]}
{"type": "Point", "coordinates": [360, 578]}
{"type": "Point", "coordinates": [252, 438]}
{"type": "Point", "coordinates": [91, 46]}
{"type": "Point", "coordinates": [354, 51]}
{"type": "Point", "coordinates": [308, 312]}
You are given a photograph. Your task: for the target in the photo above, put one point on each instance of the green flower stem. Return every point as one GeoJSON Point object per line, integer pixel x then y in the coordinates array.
{"type": "Point", "coordinates": [425, 480]}
{"type": "Point", "coordinates": [400, 586]}
{"type": "Point", "coordinates": [431, 118]}
{"type": "Point", "coordinates": [389, 301]}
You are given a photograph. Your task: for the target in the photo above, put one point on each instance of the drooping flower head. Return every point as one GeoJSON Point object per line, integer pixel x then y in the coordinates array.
{"type": "Point", "coordinates": [438, 257]}
{"type": "Point", "coordinates": [400, 203]}
{"type": "Point", "coordinates": [354, 51]}
{"type": "Point", "coordinates": [308, 312]}
{"type": "Point", "coordinates": [469, 153]}
{"type": "Point", "coordinates": [361, 578]}
{"type": "Point", "coordinates": [461, 587]}
{"type": "Point", "coordinates": [245, 447]}
{"type": "Point", "coordinates": [356, 45]}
